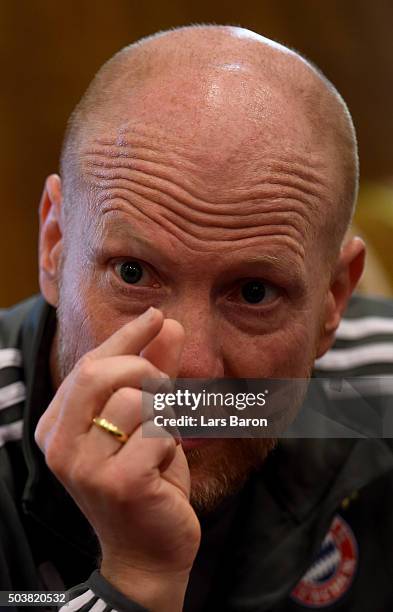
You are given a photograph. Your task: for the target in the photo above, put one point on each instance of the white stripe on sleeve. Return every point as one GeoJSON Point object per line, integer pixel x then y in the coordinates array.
{"type": "Point", "coordinates": [351, 329]}
{"type": "Point", "coordinates": [12, 431]}
{"type": "Point", "coordinates": [99, 606]}
{"type": "Point", "coordinates": [342, 359]}
{"type": "Point", "coordinates": [10, 357]}
{"type": "Point", "coordinates": [367, 387]}
{"type": "Point", "coordinates": [78, 602]}
{"type": "Point", "coordinates": [12, 394]}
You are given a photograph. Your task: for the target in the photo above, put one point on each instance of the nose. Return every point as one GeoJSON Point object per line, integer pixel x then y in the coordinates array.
{"type": "Point", "coordinates": [201, 357]}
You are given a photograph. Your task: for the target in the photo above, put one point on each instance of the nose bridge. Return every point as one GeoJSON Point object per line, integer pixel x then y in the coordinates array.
{"type": "Point", "coordinates": [201, 357]}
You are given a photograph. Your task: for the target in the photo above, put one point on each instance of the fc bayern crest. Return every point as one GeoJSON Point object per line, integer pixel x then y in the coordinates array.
{"type": "Point", "coordinates": [331, 574]}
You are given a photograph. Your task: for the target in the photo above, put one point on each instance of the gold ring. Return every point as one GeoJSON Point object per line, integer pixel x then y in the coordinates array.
{"type": "Point", "coordinates": [111, 429]}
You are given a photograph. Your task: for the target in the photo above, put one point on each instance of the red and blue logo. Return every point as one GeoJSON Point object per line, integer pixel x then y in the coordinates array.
{"type": "Point", "coordinates": [331, 574]}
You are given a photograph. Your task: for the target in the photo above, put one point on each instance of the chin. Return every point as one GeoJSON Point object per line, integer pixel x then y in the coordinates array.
{"type": "Point", "coordinates": [221, 467]}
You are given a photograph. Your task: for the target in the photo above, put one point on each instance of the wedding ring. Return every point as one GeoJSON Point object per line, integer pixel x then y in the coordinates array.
{"type": "Point", "coordinates": [111, 428]}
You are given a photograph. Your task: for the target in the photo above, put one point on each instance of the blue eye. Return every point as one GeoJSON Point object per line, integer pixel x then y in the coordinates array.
{"type": "Point", "coordinates": [253, 291]}
{"type": "Point", "coordinates": [131, 272]}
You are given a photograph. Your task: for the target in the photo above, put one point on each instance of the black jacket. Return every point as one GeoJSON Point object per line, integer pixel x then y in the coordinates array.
{"type": "Point", "coordinates": [312, 530]}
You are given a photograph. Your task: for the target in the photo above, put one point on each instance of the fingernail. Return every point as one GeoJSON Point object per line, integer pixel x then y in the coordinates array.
{"type": "Point", "coordinates": [146, 316]}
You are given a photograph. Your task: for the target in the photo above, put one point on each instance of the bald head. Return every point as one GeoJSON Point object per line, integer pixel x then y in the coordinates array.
{"type": "Point", "coordinates": [231, 103]}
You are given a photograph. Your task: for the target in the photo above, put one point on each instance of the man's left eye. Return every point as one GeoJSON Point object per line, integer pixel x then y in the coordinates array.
{"type": "Point", "coordinates": [258, 291]}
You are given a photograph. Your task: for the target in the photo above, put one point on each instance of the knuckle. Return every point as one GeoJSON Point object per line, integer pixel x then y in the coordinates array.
{"type": "Point", "coordinates": [54, 458]}
{"type": "Point", "coordinates": [39, 435]}
{"type": "Point", "coordinates": [169, 445]}
{"type": "Point", "coordinates": [80, 476]}
{"type": "Point", "coordinates": [85, 359]}
{"type": "Point", "coordinates": [85, 369]}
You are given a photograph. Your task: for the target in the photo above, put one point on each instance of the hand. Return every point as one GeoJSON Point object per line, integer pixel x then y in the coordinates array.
{"type": "Point", "coordinates": [135, 495]}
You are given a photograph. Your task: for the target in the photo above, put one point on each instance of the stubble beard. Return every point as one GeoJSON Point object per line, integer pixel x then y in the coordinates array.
{"type": "Point", "coordinates": [221, 469]}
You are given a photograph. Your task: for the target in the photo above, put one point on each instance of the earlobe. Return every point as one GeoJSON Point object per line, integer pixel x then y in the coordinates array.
{"type": "Point", "coordinates": [345, 277]}
{"type": "Point", "coordinates": [50, 239]}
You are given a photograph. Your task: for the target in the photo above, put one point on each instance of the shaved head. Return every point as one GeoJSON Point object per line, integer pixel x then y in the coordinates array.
{"type": "Point", "coordinates": [224, 95]}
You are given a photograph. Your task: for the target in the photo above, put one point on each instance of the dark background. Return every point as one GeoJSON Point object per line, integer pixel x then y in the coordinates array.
{"type": "Point", "coordinates": [50, 51]}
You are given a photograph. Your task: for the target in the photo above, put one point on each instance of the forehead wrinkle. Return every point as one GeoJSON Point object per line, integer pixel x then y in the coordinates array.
{"type": "Point", "coordinates": [204, 220]}
{"type": "Point", "coordinates": [157, 147]}
{"type": "Point", "coordinates": [290, 255]}
{"type": "Point", "coordinates": [284, 216]}
{"type": "Point", "coordinates": [208, 226]}
{"type": "Point", "coordinates": [235, 211]}
{"type": "Point", "coordinates": [131, 140]}
{"type": "Point", "coordinates": [101, 174]}
{"type": "Point", "coordinates": [163, 182]}
{"type": "Point", "coordinates": [117, 229]}
{"type": "Point", "coordinates": [211, 231]}
{"type": "Point", "coordinates": [209, 240]}
{"type": "Point", "coordinates": [198, 222]}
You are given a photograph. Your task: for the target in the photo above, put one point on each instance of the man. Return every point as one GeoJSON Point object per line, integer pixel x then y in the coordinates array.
{"type": "Point", "coordinates": [208, 177]}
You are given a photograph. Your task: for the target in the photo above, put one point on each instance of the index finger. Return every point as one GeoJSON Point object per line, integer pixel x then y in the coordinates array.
{"type": "Point", "coordinates": [132, 337]}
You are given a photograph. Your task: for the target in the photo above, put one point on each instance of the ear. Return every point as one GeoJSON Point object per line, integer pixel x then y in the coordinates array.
{"type": "Point", "coordinates": [50, 239]}
{"type": "Point", "coordinates": [344, 279]}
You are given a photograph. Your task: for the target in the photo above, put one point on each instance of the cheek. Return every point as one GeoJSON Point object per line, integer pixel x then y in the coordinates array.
{"type": "Point", "coordinates": [285, 353]}
{"type": "Point", "coordinates": [89, 322]}
{"type": "Point", "coordinates": [86, 319]}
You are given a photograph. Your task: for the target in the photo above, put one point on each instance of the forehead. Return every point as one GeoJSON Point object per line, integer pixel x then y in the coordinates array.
{"type": "Point", "coordinates": [184, 199]}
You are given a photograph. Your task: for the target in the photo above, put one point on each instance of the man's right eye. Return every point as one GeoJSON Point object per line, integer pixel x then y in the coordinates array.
{"type": "Point", "coordinates": [134, 273]}
{"type": "Point", "coordinates": [130, 272]}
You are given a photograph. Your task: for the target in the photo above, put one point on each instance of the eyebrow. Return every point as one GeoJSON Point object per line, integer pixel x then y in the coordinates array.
{"type": "Point", "coordinates": [285, 266]}
{"type": "Point", "coordinates": [120, 231]}
{"type": "Point", "coordinates": [264, 259]}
